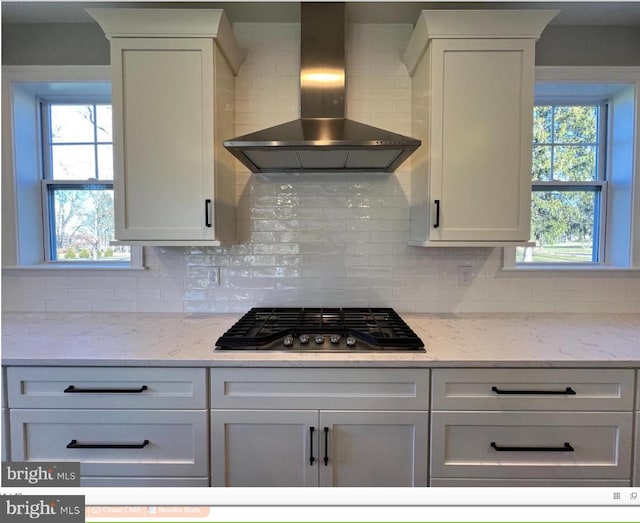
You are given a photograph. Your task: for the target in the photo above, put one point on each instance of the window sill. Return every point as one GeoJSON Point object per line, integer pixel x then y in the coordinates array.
{"type": "Point", "coordinates": [577, 268]}
{"type": "Point", "coordinates": [83, 267]}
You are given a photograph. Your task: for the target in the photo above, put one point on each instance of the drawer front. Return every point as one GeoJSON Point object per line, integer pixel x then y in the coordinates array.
{"type": "Point", "coordinates": [470, 482]}
{"type": "Point", "coordinates": [533, 389]}
{"type": "Point", "coordinates": [531, 445]}
{"type": "Point", "coordinates": [638, 389]}
{"type": "Point", "coordinates": [177, 440]}
{"type": "Point", "coordinates": [106, 388]}
{"type": "Point", "coordinates": [380, 389]}
{"type": "Point", "coordinates": [636, 471]}
{"type": "Point", "coordinates": [5, 435]}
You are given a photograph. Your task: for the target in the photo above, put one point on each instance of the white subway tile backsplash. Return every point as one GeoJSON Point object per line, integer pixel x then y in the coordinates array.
{"type": "Point", "coordinates": [330, 239]}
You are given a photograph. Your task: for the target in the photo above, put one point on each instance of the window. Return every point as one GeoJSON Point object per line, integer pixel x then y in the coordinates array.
{"type": "Point", "coordinates": [584, 181]}
{"type": "Point", "coordinates": [77, 185]}
{"type": "Point", "coordinates": [568, 184]}
{"type": "Point", "coordinates": [57, 183]}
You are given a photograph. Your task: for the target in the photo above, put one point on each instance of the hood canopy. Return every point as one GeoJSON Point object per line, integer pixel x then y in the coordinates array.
{"type": "Point", "coordinates": [322, 139]}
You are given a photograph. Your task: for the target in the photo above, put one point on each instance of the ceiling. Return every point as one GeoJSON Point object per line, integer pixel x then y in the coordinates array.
{"type": "Point", "coordinates": [572, 13]}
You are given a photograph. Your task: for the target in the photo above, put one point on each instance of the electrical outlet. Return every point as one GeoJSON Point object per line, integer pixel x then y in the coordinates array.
{"type": "Point", "coordinates": [464, 276]}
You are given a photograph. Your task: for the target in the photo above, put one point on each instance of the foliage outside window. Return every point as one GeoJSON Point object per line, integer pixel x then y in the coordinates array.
{"type": "Point", "coordinates": [568, 185]}
{"type": "Point", "coordinates": [78, 183]}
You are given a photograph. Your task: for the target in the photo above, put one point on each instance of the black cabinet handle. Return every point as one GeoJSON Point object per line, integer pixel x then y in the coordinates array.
{"type": "Point", "coordinates": [326, 446]}
{"type": "Point", "coordinates": [501, 448]}
{"type": "Point", "coordinates": [311, 459]}
{"type": "Point", "coordinates": [568, 391]}
{"type": "Point", "coordinates": [437, 222]}
{"type": "Point", "coordinates": [72, 388]}
{"type": "Point", "coordinates": [73, 444]}
{"type": "Point", "coordinates": [207, 212]}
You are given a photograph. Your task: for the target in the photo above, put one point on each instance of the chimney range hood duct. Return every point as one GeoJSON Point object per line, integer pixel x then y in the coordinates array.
{"type": "Point", "coordinates": [322, 140]}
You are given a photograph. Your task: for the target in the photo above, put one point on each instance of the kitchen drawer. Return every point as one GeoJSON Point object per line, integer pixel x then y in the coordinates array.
{"type": "Point", "coordinates": [143, 482]}
{"type": "Point", "coordinates": [177, 440]}
{"type": "Point", "coordinates": [380, 389]}
{"type": "Point", "coordinates": [462, 445]}
{"type": "Point", "coordinates": [636, 471]}
{"type": "Point", "coordinates": [148, 388]}
{"type": "Point", "coordinates": [638, 390]}
{"type": "Point", "coordinates": [472, 482]}
{"type": "Point", "coordinates": [5, 435]}
{"type": "Point", "coordinates": [532, 389]}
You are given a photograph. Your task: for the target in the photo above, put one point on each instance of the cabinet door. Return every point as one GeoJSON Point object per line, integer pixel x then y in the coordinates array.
{"type": "Point", "coordinates": [373, 449]}
{"type": "Point", "coordinates": [482, 104]}
{"type": "Point", "coordinates": [264, 448]}
{"type": "Point", "coordinates": [163, 138]}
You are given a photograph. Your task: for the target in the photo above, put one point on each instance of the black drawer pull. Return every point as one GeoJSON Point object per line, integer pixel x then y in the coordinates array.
{"type": "Point", "coordinates": [72, 388]}
{"type": "Point", "coordinates": [73, 444]}
{"type": "Point", "coordinates": [568, 391]}
{"type": "Point", "coordinates": [502, 448]}
{"type": "Point", "coordinates": [207, 212]}
{"type": "Point", "coordinates": [311, 459]}
{"type": "Point", "coordinates": [326, 446]}
{"type": "Point", "coordinates": [437, 222]}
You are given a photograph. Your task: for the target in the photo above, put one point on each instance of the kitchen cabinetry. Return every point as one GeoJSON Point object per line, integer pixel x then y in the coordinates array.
{"type": "Point", "coordinates": [528, 426]}
{"type": "Point", "coordinates": [147, 426]}
{"type": "Point", "coordinates": [4, 446]}
{"type": "Point", "coordinates": [172, 97]}
{"type": "Point", "coordinates": [636, 467]}
{"type": "Point", "coordinates": [361, 427]}
{"type": "Point", "coordinates": [473, 80]}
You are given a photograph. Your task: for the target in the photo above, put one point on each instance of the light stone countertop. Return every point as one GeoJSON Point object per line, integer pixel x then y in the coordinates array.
{"type": "Point", "coordinates": [452, 340]}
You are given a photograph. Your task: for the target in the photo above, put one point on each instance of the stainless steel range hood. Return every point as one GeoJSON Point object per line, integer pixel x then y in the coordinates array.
{"type": "Point", "coordinates": [322, 140]}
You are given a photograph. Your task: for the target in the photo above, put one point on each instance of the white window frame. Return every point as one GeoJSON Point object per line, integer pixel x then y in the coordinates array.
{"type": "Point", "coordinates": [620, 235]}
{"type": "Point", "coordinates": [24, 240]}
{"type": "Point", "coordinates": [600, 182]}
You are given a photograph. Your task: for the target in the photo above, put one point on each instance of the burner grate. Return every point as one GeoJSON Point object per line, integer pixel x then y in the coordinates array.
{"type": "Point", "coordinates": [379, 327]}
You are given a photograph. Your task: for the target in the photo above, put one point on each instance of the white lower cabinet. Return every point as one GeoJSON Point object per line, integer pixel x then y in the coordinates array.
{"type": "Point", "coordinates": [5, 435]}
{"type": "Point", "coordinates": [509, 427]}
{"type": "Point", "coordinates": [531, 445]}
{"type": "Point", "coordinates": [280, 448]}
{"type": "Point", "coordinates": [353, 442]}
{"type": "Point", "coordinates": [636, 467]}
{"type": "Point", "coordinates": [125, 426]}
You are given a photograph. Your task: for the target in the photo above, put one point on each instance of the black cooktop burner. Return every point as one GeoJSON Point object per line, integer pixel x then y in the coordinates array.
{"type": "Point", "coordinates": [321, 329]}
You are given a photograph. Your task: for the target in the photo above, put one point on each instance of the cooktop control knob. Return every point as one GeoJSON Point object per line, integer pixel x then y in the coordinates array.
{"type": "Point", "coordinates": [335, 338]}
{"type": "Point", "coordinates": [288, 341]}
{"type": "Point", "coordinates": [319, 339]}
{"type": "Point", "coordinates": [304, 339]}
{"type": "Point", "coordinates": [351, 341]}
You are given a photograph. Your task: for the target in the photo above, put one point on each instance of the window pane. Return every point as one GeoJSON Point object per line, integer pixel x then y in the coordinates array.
{"type": "Point", "coordinates": [542, 124]}
{"type": "Point", "coordinates": [563, 226]}
{"type": "Point", "coordinates": [575, 163]}
{"type": "Point", "coordinates": [83, 225]}
{"type": "Point", "coordinates": [575, 124]}
{"type": "Point", "coordinates": [73, 162]}
{"type": "Point", "coordinates": [104, 123]}
{"type": "Point", "coordinates": [541, 163]}
{"type": "Point", "coordinates": [105, 162]}
{"type": "Point", "coordinates": [72, 123]}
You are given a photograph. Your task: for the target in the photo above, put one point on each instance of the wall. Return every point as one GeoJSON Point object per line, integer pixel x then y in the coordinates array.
{"type": "Point", "coordinates": [85, 44]}
{"type": "Point", "coordinates": [54, 44]}
{"type": "Point", "coordinates": [321, 240]}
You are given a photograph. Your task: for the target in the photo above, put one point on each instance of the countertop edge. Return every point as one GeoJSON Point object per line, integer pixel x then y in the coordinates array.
{"type": "Point", "coordinates": [286, 363]}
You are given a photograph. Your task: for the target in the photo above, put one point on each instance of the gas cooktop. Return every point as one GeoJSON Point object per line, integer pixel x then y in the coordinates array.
{"type": "Point", "coordinates": [321, 330]}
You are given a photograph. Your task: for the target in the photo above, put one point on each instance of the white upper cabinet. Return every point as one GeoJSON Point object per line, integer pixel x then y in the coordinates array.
{"type": "Point", "coordinates": [473, 80]}
{"type": "Point", "coordinates": [172, 77]}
